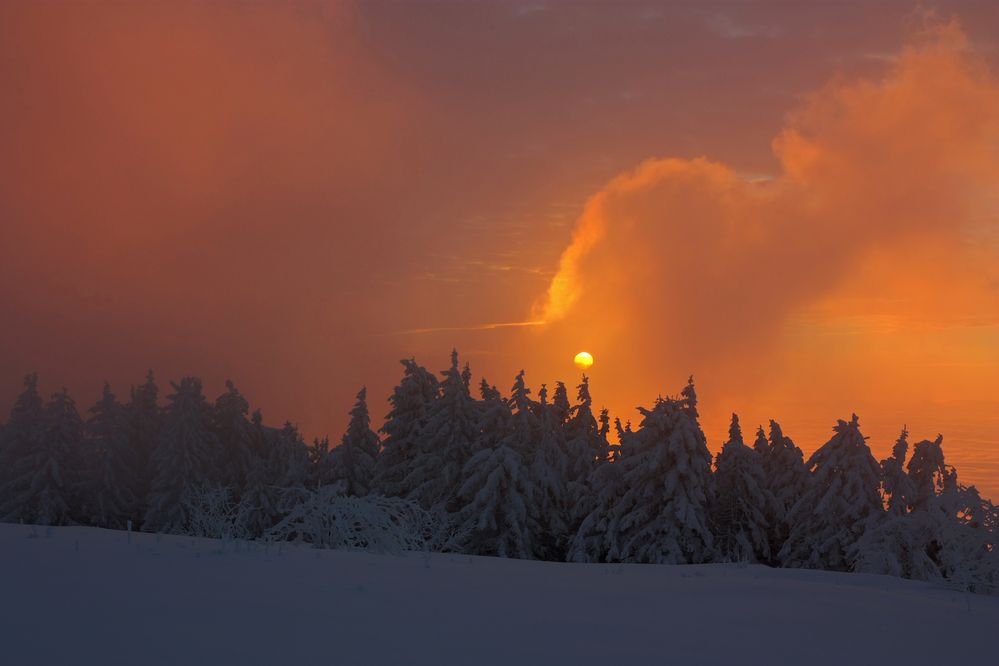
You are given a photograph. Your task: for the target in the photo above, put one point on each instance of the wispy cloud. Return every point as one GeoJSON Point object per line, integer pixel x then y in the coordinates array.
{"type": "Point", "coordinates": [731, 28]}
{"type": "Point", "coordinates": [532, 8]}
{"type": "Point", "coordinates": [474, 327]}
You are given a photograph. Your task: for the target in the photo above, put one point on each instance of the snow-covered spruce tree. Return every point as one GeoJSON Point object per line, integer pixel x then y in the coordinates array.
{"type": "Point", "coordinates": [231, 459]}
{"type": "Point", "coordinates": [56, 463]}
{"type": "Point", "coordinates": [411, 401]}
{"type": "Point", "coordinates": [496, 490]}
{"type": "Point", "coordinates": [446, 444]}
{"type": "Point", "coordinates": [586, 446]}
{"type": "Point", "coordinates": [560, 402]}
{"type": "Point", "coordinates": [541, 437]}
{"type": "Point", "coordinates": [661, 513]}
{"type": "Point", "coordinates": [903, 544]}
{"type": "Point", "coordinates": [291, 464]}
{"type": "Point", "coordinates": [762, 446]}
{"type": "Point", "coordinates": [604, 430]}
{"type": "Point", "coordinates": [927, 473]}
{"type": "Point", "coordinates": [626, 436]}
{"type": "Point", "coordinates": [586, 450]}
{"type": "Point", "coordinates": [529, 432]}
{"type": "Point", "coordinates": [261, 493]}
{"type": "Point", "coordinates": [961, 539]}
{"type": "Point", "coordinates": [109, 492]}
{"type": "Point", "coordinates": [842, 501]}
{"type": "Point", "coordinates": [897, 487]}
{"type": "Point", "coordinates": [145, 418]}
{"type": "Point", "coordinates": [353, 462]}
{"type": "Point", "coordinates": [589, 543]}
{"type": "Point", "coordinates": [785, 467]}
{"type": "Point", "coordinates": [23, 435]}
{"type": "Point", "coordinates": [970, 558]}
{"type": "Point", "coordinates": [787, 478]}
{"type": "Point", "coordinates": [494, 416]}
{"type": "Point", "coordinates": [525, 414]}
{"type": "Point", "coordinates": [320, 463]}
{"type": "Point", "coordinates": [742, 503]}
{"type": "Point", "coordinates": [182, 458]}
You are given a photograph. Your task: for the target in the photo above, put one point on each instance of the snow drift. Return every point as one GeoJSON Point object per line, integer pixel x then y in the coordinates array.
{"type": "Point", "coordinates": [75, 595]}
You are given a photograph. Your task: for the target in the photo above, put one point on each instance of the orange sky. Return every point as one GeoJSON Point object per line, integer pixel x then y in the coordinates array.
{"type": "Point", "coordinates": [795, 204]}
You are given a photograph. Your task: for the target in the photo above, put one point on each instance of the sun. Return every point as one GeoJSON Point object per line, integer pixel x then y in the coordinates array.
{"type": "Point", "coordinates": [583, 359]}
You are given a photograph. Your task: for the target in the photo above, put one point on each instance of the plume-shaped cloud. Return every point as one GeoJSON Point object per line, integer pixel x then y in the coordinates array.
{"type": "Point", "coordinates": [689, 261]}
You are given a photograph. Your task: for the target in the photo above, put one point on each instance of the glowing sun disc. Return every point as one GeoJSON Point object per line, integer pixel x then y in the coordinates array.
{"type": "Point", "coordinates": [583, 360]}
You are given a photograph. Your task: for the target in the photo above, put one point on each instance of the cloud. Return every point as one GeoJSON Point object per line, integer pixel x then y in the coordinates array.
{"type": "Point", "coordinates": [473, 327]}
{"type": "Point", "coordinates": [192, 185]}
{"type": "Point", "coordinates": [729, 27]}
{"type": "Point", "coordinates": [699, 267]}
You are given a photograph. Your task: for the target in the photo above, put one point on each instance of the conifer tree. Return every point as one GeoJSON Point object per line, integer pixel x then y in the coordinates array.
{"type": "Point", "coordinates": [762, 446]}
{"type": "Point", "coordinates": [625, 437]}
{"type": "Point", "coordinates": [896, 484]}
{"type": "Point", "coordinates": [495, 490]}
{"type": "Point", "coordinates": [182, 458]}
{"type": "Point", "coordinates": [605, 426]}
{"type": "Point", "coordinates": [841, 501]}
{"type": "Point", "coordinates": [927, 473]}
{"type": "Point", "coordinates": [320, 463]}
{"type": "Point", "coordinates": [589, 543]}
{"type": "Point", "coordinates": [586, 448]}
{"type": "Point", "coordinates": [145, 418]}
{"type": "Point", "coordinates": [604, 429]}
{"type": "Point", "coordinates": [55, 464]}
{"type": "Point", "coordinates": [231, 459]}
{"type": "Point", "coordinates": [353, 462]}
{"type": "Point", "coordinates": [785, 467]}
{"type": "Point", "coordinates": [23, 435]}
{"type": "Point", "coordinates": [526, 414]}
{"type": "Point", "coordinates": [536, 432]}
{"type": "Point", "coordinates": [446, 443]}
{"type": "Point", "coordinates": [743, 504]}
{"type": "Point", "coordinates": [109, 493]}
{"type": "Point", "coordinates": [618, 428]}
{"type": "Point", "coordinates": [787, 478]}
{"type": "Point", "coordinates": [411, 401]}
{"type": "Point", "coordinates": [261, 493]}
{"type": "Point", "coordinates": [660, 513]}
{"type": "Point", "coordinates": [290, 460]}
{"type": "Point", "coordinates": [560, 402]}
{"type": "Point", "coordinates": [586, 443]}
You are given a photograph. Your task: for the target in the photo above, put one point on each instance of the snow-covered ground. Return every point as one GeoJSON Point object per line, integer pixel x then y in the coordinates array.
{"type": "Point", "coordinates": [87, 596]}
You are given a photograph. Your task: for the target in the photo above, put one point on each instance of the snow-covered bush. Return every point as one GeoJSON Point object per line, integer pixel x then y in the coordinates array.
{"type": "Point", "coordinates": [212, 513]}
{"type": "Point", "coordinates": [328, 519]}
{"type": "Point", "coordinates": [929, 546]}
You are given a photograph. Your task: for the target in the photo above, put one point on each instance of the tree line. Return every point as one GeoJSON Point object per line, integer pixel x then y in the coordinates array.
{"type": "Point", "coordinates": [508, 475]}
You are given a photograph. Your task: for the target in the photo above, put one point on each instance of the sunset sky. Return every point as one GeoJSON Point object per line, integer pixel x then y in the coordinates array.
{"type": "Point", "coordinates": [796, 203]}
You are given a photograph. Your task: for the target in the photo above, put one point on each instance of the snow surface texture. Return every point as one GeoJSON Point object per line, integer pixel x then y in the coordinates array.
{"type": "Point", "coordinates": [76, 595]}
